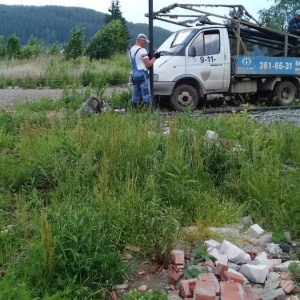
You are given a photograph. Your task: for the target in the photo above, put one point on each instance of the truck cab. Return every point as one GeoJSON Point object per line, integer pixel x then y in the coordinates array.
{"type": "Point", "coordinates": [194, 62]}
{"type": "Point", "coordinates": [212, 57]}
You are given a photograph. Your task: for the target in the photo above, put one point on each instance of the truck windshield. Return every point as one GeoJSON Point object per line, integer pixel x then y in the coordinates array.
{"type": "Point", "coordinates": [177, 41]}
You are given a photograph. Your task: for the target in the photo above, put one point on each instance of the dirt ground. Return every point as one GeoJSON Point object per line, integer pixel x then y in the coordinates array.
{"type": "Point", "coordinates": [142, 273]}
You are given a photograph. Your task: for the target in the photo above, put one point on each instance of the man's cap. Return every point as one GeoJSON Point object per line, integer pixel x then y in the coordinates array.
{"type": "Point", "coordinates": [143, 37]}
{"type": "Point", "coordinates": [297, 12]}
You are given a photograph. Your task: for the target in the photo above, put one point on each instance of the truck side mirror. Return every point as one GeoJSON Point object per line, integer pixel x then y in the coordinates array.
{"type": "Point", "coordinates": [192, 51]}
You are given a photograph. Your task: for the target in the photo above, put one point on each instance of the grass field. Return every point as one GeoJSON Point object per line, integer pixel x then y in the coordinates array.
{"type": "Point", "coordinates": [75, 190]}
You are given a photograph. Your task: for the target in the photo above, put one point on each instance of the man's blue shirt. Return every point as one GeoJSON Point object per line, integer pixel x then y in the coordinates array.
{"type": "Point", "coordinates": [294, 25]}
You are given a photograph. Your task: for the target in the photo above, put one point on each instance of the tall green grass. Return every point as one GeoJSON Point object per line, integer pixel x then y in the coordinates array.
{"type": "Point", "coordinates": [56, 72]}
{"type": "Point", "coordinates": [78, 190]}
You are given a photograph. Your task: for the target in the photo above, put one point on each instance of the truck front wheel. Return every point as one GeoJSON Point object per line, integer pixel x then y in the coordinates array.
{"type": "Point", "coordinates": [284, 93]}
{"type": "Point", "coordinates": [184, 96]}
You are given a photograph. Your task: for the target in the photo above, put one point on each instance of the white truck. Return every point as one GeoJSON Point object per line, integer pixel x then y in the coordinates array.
{"type": "Point", "coordinates": [205, 59]}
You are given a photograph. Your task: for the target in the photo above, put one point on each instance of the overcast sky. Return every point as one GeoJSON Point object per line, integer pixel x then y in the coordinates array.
{"type": "Point", "coordinates": [134, 10]}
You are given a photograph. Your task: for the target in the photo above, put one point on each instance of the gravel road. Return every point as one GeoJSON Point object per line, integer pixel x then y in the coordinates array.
{"type": "Point", "coordinates": [11, 96]}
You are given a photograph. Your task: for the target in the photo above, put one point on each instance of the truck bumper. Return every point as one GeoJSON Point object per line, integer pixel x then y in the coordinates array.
{"type": "Point", "coordinates": [163, 88]}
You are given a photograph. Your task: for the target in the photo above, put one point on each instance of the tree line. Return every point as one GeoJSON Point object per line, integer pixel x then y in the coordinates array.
{"type": "Point", "coordinates": [91, 33]}
{"type": "Point", "coordinates": [52, 25]}
{"type": "Point", "coordinates": [113, 37]}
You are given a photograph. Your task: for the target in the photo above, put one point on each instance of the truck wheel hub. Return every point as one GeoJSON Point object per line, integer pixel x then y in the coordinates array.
{"type": "Point", "coordinates": [185, 98]}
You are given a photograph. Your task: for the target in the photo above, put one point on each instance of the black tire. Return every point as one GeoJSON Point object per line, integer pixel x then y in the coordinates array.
{"type": "Point", "coordinates": [184, 96]}
{"type": "Point", "coordinates": [284, 93]}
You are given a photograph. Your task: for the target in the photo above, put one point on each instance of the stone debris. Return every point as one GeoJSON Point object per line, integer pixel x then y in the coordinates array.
{"type": "Point", "coordinates": [234, 253]}
{"type": "Point", "coordinates": [249, 272]}
{"type": "Point", "coordinates": [212, 138]}
{"type": "Point", "coordinates": [255, 230]}
{"type": "Point", "coordinates": [255, 273]}
{"type": "Point", "coordinates": [143, 288]}
{"type": "Point", "coordinates": [120, 287]}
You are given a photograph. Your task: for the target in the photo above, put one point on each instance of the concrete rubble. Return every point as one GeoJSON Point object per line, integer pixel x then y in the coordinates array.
{"type": "Point", "coordinates": [256, 271]}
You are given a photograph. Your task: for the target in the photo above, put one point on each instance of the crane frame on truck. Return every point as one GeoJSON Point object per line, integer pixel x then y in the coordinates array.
{"type": "Point", "coordinates": [275, 76]}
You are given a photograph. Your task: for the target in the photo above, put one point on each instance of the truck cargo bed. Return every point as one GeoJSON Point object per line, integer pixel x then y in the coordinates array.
{"type": "Point", "coordinates": [264, 65]}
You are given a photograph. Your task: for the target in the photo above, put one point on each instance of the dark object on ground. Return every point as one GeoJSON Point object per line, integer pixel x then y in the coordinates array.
{"type": "Point", "coordinates": [93, 105]}
{"type": "Point", "coordinates": [286, 248]}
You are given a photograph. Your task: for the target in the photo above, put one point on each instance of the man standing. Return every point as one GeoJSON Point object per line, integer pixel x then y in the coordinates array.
{"type": "Point", "coordinates": [140, 63]}
{"type": "Point", "coordinates": [294, 24]}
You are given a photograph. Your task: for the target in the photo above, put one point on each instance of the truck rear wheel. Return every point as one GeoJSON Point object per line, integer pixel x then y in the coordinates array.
{"type": "Point", "coordinates": [184, 96]}
{"type": "Point", "coordinates": [284, 93]}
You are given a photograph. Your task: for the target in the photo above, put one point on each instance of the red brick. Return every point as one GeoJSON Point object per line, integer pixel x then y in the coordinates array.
{"type": "Point", "coordinates": [229, 276]}
{"type": "Point", "coordinates": [204, 290]}
{"type": "Point", "coordinates": [141, 273]}
{"type": "Point", "coordinates": [154, 268]}
{"type": "Point", "coordinates": [232, 291]}
{"type": "Point", "coordinates": [178, 257]}
{"type": "Point", "coordinates": [252, 254]}
{"type": "Point", "coordinates": [175, 276]}
{"type": "Point", "coordinates": [114, 295]}
{"type": "Point", "coordinates": [210, 263]}
{"type": "Point", "coordinates": [287, 285]}
{"type": "Point", "coordinates": [210, 279]}
{"type": "Point", "coordinates": [160, 269]}
{"type": "Point", "coordinates": [285, 275]}
{"type": "Point", "coordinates": [142, 288]}
{"type": "Point", "coordinates": [219, 270]}
{"type": "Point", "coordinates": [175, 293]}
{"type": "Point", "coordinates": [187, 287]}
{"type": "Point", "coordinates": [295, 290]}
{"type": "Point", "coordinates": [250, 293]}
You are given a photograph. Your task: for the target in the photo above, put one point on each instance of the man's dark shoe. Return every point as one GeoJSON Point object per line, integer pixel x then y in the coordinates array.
{"type": "Point", "coordinates": [146, 106]}
{"type": "Point", "coordinates": [134, 105]}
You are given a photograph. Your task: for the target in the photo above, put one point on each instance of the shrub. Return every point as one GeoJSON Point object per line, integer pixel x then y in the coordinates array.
{"type": "Point", "coordinates": [13, 47]}
{"type": "Point", "coordinates": [75, 45]}
{"type": "Point", "coordinates": [110, 39]}
{"type": "Point", "coordinates": [33, 48]}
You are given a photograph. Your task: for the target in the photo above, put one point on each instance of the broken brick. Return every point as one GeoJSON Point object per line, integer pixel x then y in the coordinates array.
{"type": "Point", "coordinates": [204, 291]}
{"type": "Point", "coordinates": [210, 279]}
{"type": "Point", "coordinates": [187, 287]}
{"type": "Point", "coordinates": [175, 276]}
{"type": "Point", "coordinates": [178, 257]}
{"type": "Point", "coordinates": [287, 285]}
{"type": "Point", "coordinates": [232, 290]}
{"type": "Point", "coordinates": [219, 270]}
{"type": "Point", "coordinates": [229, 276]}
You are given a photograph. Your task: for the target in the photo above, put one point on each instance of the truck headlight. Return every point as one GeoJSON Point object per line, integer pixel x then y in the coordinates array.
{"type": "Point", "coordinates": [155, 77]}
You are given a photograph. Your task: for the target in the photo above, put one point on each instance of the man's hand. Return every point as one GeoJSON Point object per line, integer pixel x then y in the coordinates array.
{"type": "Point", "coordinates": [298, 30]}
{"type": "Point", "coordinates": [157, 55]}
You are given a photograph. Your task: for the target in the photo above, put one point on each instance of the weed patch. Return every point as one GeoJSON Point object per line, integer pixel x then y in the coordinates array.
{"type": "Point", "coordinates": [78, 190]}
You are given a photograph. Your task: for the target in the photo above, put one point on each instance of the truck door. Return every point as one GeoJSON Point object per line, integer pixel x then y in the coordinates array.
{"type": "Point", "coordinates": [205, 59]}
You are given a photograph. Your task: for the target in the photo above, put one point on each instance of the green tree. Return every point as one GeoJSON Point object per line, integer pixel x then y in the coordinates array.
{"type": "Point", "coordinates": [13, 47]}
{"type": "Point", "coordinates": [75, 46]}
{"type": "Point", "coordinates": [33, 48]}
{"type": "Point", "coordinates": [2, 48]}
{"type": "Point", "coordinates": [278, 15]}
{"type": "Point", "coordinates": [116, 14]}
{"type": "Point", "coordinates": [109, 40]}
{"type": "Point", "coordinates": [54, 48]}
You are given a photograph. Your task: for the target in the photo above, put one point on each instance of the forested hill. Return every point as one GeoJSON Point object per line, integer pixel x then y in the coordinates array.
{"type": "Point", "coordinates": [54, 23]}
